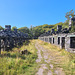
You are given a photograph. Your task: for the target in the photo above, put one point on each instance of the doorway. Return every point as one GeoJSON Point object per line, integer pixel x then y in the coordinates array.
{"type": "Point", "coordinates": [63, 42]}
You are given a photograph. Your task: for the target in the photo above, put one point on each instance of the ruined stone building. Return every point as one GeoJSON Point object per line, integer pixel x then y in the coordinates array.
{"type": "Point", "coordinates": [10, 39]}
{"type": "Point", "coordinates": [61, 38]}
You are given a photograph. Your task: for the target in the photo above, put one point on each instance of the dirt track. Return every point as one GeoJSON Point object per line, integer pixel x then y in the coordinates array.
{"type": "Point", "coordinates": [46, 68]}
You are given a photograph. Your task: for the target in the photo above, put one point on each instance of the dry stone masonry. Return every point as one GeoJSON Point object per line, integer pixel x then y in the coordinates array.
{"type": "Point", "coordinates": [10, 39]}
{"type": "Point", "coordinates": [61, 38]}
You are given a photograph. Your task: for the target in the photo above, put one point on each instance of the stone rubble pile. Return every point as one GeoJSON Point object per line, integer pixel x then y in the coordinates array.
{"type": "Point", "coordinates": [10, 39]}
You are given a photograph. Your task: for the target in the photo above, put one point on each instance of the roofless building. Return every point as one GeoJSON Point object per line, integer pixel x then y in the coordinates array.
{"type": "Point", "coordinates": [61, 38]}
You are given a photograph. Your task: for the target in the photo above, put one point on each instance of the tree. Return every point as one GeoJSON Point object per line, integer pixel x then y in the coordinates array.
{"type": "Point", "coordinates": [24, 29]}
{"type": "Point", "coordinates": [14, 28]}
{"type": "Point", "coordinates": [73, 27]}
{"type": "Point", "coordinates": [32, 32]}
{"type": "Point", "coordinates": [1, 28]}
{"type": "Point", "coordinates": [70, 14]}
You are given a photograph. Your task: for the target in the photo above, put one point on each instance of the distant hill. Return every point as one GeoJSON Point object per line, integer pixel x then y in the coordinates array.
{"type": "Point", "coordinates": [38, 30]}
{"type": "Point", "coordinates": [34, 32]}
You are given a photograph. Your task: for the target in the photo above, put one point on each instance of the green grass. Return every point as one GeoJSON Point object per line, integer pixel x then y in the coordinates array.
{"type": "Point", "coordinates": [64, 59]}
{"type": "Point", "coordinates": [14, 63]}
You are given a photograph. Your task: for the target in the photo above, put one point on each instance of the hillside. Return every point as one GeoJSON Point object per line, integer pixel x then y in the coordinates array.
{"type": "Point", "coordinates": [38, 30]}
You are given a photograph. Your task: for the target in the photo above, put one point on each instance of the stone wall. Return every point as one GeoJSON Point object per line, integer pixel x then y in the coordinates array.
{"type": "Point", "coordinates": [64, 41]}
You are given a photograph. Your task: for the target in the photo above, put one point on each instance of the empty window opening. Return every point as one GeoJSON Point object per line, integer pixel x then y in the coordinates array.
{"type": "Point", "coordinates": [58, 40]}
{"type": "Point", "coordinates": [63, 42]}
{"type": "Point", "coordinates": [53, 40]}
{"type": "Point", "coordinates": [45, 39]}
{"type": "Point", "coordinates": [72, 42]}
{"type": "Point", "coordinates": [50, 40]}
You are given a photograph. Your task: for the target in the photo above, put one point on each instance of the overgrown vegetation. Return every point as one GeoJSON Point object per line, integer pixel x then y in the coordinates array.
{"type": "Point", "coordinates": [62, 58]}
{"type": "Point", "coordinates": [34, 32]}
{"type": "Point", "coordinates": [14, 63]}
{"type": "Point", "coordinates": [73, 27]}
{"type": "Point", "coordinates": [71, 14]}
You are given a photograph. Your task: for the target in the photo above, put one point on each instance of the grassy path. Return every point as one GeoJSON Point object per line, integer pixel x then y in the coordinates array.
{"type": "Point", "coordinates": [53, 61]}
{"type": "Point", "coordinates": [45, 62]}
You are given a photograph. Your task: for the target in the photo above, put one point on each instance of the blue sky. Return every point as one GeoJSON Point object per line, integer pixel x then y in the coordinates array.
{"type": "Point", "coordinates": [21, 13]}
